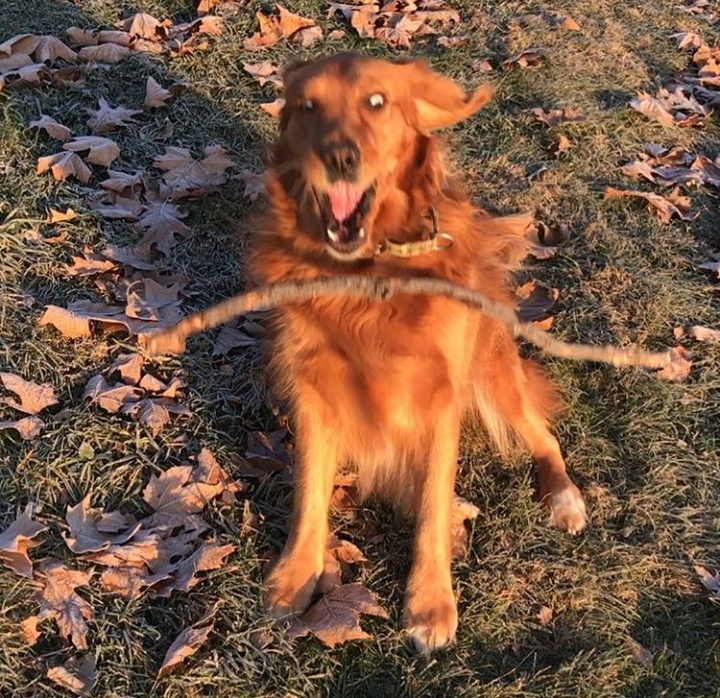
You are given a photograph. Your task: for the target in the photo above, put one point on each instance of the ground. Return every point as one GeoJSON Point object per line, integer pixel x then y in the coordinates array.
{"type": "Point", "coordinates": [643, 451]}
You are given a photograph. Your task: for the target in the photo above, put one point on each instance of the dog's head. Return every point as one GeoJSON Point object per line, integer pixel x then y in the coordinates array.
{"type": "Point", "coordinates": [354, 133]}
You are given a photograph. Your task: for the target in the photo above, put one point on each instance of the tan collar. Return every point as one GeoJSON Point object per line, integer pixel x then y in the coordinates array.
{"type": "Point", "coordinates": [436, 242]}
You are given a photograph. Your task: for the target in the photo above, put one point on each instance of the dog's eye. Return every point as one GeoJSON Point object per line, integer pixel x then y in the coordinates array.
{"type": "Point", "coordinates": [376, 101]}
{"type": "Point", "coordinates": [307, 105]}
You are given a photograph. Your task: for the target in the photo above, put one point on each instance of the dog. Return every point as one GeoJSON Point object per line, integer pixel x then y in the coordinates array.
{"type": "Point", "coordinates": [358, 185]}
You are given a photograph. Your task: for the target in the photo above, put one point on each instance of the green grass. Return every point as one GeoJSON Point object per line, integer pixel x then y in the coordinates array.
{"type": "Point", "coordinates": [643, 451]}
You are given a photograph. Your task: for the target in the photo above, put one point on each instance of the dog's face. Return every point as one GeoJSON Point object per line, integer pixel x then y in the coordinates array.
{"type": "Point", "coordinates": [350, 128]}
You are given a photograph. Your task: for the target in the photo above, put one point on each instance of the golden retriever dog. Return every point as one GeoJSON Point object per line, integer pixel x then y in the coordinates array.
{"type": "Point", "coordinates": [358, 185]}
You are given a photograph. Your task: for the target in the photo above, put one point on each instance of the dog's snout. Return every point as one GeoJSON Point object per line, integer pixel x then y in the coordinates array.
{"type": "Point", "coordinates": [342, 160]}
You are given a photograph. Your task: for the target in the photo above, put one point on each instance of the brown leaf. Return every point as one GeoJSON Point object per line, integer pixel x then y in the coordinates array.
{"type": "Point", "coordinates": [107, 118]}
{"type": "Point", "coordinates": [18, 538]}
{"type": "Point", "coordinates": [554, 117]}
{"type": "Point", "coordinates": [267, 453]}
{"type": "Point", "coordinates": [670, 108]}
{"type": "Point", "coordinates": [111, 398]}
{"type": "Point", "coordinates": [150, 300]}
{"type": "Point", "coordinates": [334, 619]}
{"type": "Point", "coordinates": [178, 491]}
{"type": "Point", "coordinates": [21, 43]}
{"type": "Point", "coordinates": [105, 53]}
{"type": "Point", "coordinates": [529, 58]}
{"type": "Point", "coordinates": [29, 630]}
{"type": "Point", "coordinates": [640, 654]}
{"type": "Point", "coordinates": [50, 48]}
{"type": "Point", "coordinates": [705, 334]}
{"type": "Point", "coordinates": [273, 108]}
{"type": "Point", "coordinates": [688, 40]}
{"type": "Point", "coordinates": [187, 176]}
{"type": "Point", "coordinates": [128, 366]}
{"type": "Point", "coordinates": [679, 367]}
{"type": "Point", "coordinates": [664, 207]}
{"type": "Point", "coordinates": [89, 528]}
{"type": "Point", "coordinates": [77, 675]}
{"type": "Point", "coordinates": [33, 397]}
{"type": "Point", "coordinates": [34, 74]}
{"type": "Point", "coordinates": [55, 216]}
{"type": "Point", "coordinates": [189, 641]}
{"type": "Point", "coordinates": [209, 556]}
{"type": "Point", "coordinates": [145, 26]}
{"type": "Point", "coordinates": [535, 300]}
{"type": "Point", "coordinates": [570, 24]}
{"type": "Point", "coordinates": [94, 149]}
{"type": "Point", "coordinates": [155, 94]}
{"type": "Point", "coordinates": [265, 72]}
{"type": "Point", "coordinates": [462, 511]}
{"type": "Point", "coordinates": [14, 61]}
{"type": "Point", "coordinates": [128, 582]}
{"type": "Point", "coordinates": [713, 265]}
{"type": "Point", "coordinates": [64, 165]}
{"type": "Point", "coordinates": [255, 184]}
{"type": "Point", "coordinates": [111, 36]}
{"type": "Point", "coordinates": [83, 37]}
{"type": "Point", "coordinates": [52, 128]}
{"type": "Point", "coordinates": [709, 580]}
{"type": "Point", "coordinates": [111, 205]}
{"type": "Point", "coordinates": [124, 183]}
{"type": "Point", "coordinates": [545, 616]}
{"type": "Point", "coordinates": [308, 37]}
{"type": "Point", "coordinates": [28, 427]}
{"type": "Point", "coordinates": [161, 222]}
{"type": "Point", "coordinates": [561, 147]}
{"type": "Point", "coordinates": [58, 600]}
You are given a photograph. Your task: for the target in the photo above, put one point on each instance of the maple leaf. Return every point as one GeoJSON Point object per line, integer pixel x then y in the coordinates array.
{"type": "Point", "coordinates": [267, 453]}
{"type": "Point", "coordinates": [535, 300]}
{"type": "Point", "coordinates": [209, 556]}
{"type": "Point", "coordinates": [161, 222]}
{"type": "Point", "coordinates": [335, 618]}
{"type": "Point", "coordinates": [679, 367]}
{"type": "Point", "coordinates": [111, 398]}
{"type": "Point", "coordinates": [92, 530]}
{"type": "Point", "coordinates": [124, 183]}
{"type": "Point", "coordinates": [188, 641]}
{"type": "Point", "coordinates": [187, 176]}
{"type": "Point", "coordinates": [28, 427]}
{"type": "Point", "coordinates": [29, 630]}
{"type": "Point", "coordinates": [145, 26]}
{"type": "Point", "coordinates": [52, 128]}
{"type": "Point", "coordinates": [104, 53]}
{"type": "Point", "coordinates": [59, 601]}
{"type": "Point", "coordinates": [95, 149]}
{"type": "Point", "coordinates": [135, 257]}
{"type": "Point", "coordinates": [265, 72]}
{"type": "Point", "coordinates": [33, 397]}
{"type": "Point", "coordinates": [77, 675]}
{"type": "Point", "coordinates": [529, 58]}
{"type": "Point", "coordinates": [90, 263]}
{"type": "Point", "coordinates": [128, 366]}
{"type": "Point", "coordinates": [55, 216]}
{"type": "Point", "coordinates": [177, 492]}
{"type": "Point", "coordinates": [14, 61]}
{"type": "Point", "coordinates": [50, 48]}
{"type": "Point", "coordinates": [115, 206]}
{"type": "Point", "coordinates": [462, 511]}
{"type": "Point", "coordinates": [664, 207]}
{"type": "Point", "coordinates": [18, 538]}
{"type": "Point", "coordinates": [554, 117]}
{"type": "Point", "coordinates": [22, 43]}
{"type": "Point", "coordinates": [155, 94]}
{"type": "Point", "coordinates": [671, 108]}
{"type": "Point", "coordinates": [108, 118]}
{"type": "Point", "coordinates": [83, 37]}
{"type": "Point", "coordinates": [705, 334]}
{"type": "Point", "coordinates": [112, 36]}
{"type": "Point", "coordinates": [230, 338]}
{"type": "Point", "coordinates": [64, 165]}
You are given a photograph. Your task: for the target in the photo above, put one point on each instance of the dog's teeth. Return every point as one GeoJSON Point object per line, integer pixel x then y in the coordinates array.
{"type": "Point", "coordinates": [361, 233]}
{"type": "Point", "coordinates": [333, 236]}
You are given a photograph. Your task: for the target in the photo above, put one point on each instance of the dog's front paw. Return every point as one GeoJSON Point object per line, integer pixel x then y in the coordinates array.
{"type": "Point", "coordinates": [430, 616]}
{"type": "Point", "coordinates": [289, 587]}
{"type": "Point", "coordinates": [567, 509]}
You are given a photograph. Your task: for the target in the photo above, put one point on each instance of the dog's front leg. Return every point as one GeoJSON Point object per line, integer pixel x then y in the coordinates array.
{"type": "Point", "coordinates": [291, 583]}
{"type": "Point", "coordinates": [430, 609]}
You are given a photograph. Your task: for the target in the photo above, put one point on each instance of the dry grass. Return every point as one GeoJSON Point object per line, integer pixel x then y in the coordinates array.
{"type": "Point", "coordinates": [645, 452]}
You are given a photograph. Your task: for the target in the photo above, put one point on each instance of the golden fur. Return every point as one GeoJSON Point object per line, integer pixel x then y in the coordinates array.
{"type": "Point", "coordinates": [384, 386]}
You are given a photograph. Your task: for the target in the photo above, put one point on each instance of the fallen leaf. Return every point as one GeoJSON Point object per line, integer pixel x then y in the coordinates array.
{"type": "Point", "coordinates": [94, 149]}
{"type": "Point", "coordinates": [570, 24]}
{"type": "Point", "coordinates": [155, 94]}
{"type": "Point", "coordinates": [21, 43]}
{"type": "Point", "coordinates": [55, 216]}
{"type": "Point", "coordinates": [78, 675]}
{"type": "Point", "coordinates": [111, 205]}
{"type": "Point", "coordinates": [28, 427]}
{"type": "Point", "coordinates": [59, 601]}
{"type": "Point", "coordinates": [83, 37]}
{"type": "Point", "coordinates": [92, 530]}
{"type": "Point", "coordinates": [187, 176]}
{"type": "Point", "coordinates": [561, 147]}
{"type": "Point", "coordinates": [29, 630]}
{"type": "Point", "coordinates": [255, 184]}
{"type": "Point", "coordinates": [688, 40]}
{"type": "Point", "coordinates": [709, 580]}
{"type": "Point", "coordinates": [128, 366]}
{"type": "Point", "coordinates": [177, 492]}
{"type": "Point", "coordinates": [14, 61]}
{"type": "Point", "coordinates": [145, 26]}
{"type": "Point", "coordinates": [52, 128]}
{"type": "Point", "coordinates": [273, 108]}
{"type": "Point", "coordinates": [679, 367]}
{"type": "Point", "coordinates": [713, 265]}
{"type": "Point", "coordinates": [107, 118]}
{"type": "Point", "coordinates": [334, 619]}
{"type": "Point", "coordinates": [209, 556]}
{"type": "Point", "coordinates": [124, 183]}
{"type": "Point", "coordinates": [49, 48]}
{"type": "Point", "coordinates": [671, 108]}
{"type": "Point", "coordinates": [664, 207]}
{"type": "Point", "coordinates": [640, 654]}
{"type": "Point", "coordinates": [135, 257]}
{"type": "Point", "coordinates": [265, 72]}
{"type": "Point", "coordinates": [111, 398]}
{"type": "Point", "coordinates": [189, 641]}
{"type": "Point", "coordinates": [33, 397]}
{"type": "Point", "coordinates": [554, 117]}
{"type": "Point", "coordinates": [704, 334]}
{"type": "Point", "coordinates": [545, 616]}
{"type": "Point", "coordinates": [64, 165]}
{"type": "Point", "coordinates": [161, 221]}
{"type": "Point", "coordinates": [18, 538]}
{"type": "Point", "coordinates": [34, 74]}
{"type": "Point", "coordinates": [105, 53]}
{"type": "Point", "coordinates": [462, 511]}
{"type": "Point", "coordinates": [529, 58]}
{"type": "Point", "coordinates": [535, 300]}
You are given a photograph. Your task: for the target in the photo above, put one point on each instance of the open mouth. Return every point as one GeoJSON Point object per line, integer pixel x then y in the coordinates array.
{"type": "Point", "coordinates": [343, 208]}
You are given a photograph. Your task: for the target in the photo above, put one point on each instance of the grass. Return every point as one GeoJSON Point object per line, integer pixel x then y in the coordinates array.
{"type": "Point", "coordinates": [644, 452]}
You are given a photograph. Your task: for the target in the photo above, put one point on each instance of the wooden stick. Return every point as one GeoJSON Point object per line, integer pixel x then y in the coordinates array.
{"type": "Point", "coordinates": [172, 339]}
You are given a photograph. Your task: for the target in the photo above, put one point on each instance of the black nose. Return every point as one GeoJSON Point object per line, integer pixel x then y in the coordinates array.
{"type": "Point", "coordinates": [341, 160]}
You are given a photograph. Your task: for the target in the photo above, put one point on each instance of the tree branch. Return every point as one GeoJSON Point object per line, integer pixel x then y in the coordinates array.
{"type": "Point", "coordinates": [172, 339]}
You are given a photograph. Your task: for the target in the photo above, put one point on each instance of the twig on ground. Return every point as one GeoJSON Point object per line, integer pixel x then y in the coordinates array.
{"type": "Point", "coordinates": [172, 339]}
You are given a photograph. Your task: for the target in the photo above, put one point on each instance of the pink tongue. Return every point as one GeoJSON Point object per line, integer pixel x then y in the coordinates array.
{"type": "Point", "coordinates": [344, 198]}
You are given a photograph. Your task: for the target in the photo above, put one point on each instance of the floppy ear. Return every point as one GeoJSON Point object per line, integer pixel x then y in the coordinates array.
{"type": "Point", "coordinates": [439, 101]}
